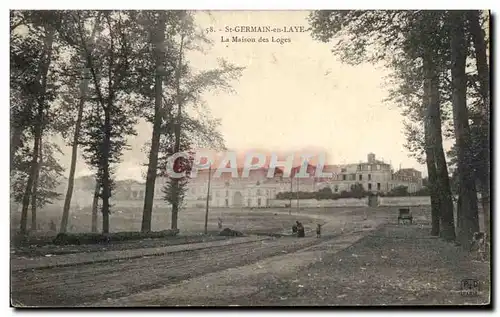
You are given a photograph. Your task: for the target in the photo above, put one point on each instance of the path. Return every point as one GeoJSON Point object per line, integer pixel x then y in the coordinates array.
{"type": "Point", "coordinates": [394, 265]}
{"type": "Point", "coordinates": [74, 285]}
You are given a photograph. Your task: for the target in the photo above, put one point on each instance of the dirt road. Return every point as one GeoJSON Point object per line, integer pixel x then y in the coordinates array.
{"type": "Point", "coordinates": [76, 285]}
{"type": "Point", "coordinates": [91, 283]}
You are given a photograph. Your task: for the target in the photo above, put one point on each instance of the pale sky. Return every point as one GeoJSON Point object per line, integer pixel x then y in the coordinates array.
{"type": "Point", "coordinates": [292, 96]}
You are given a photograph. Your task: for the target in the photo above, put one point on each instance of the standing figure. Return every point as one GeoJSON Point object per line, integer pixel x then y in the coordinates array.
{"type": "Point", "coordinates": [219, 222]}
{"type": "Point", "coordinates": [300, 230]}
{"type": "Point", "coordinates": [318, 231]}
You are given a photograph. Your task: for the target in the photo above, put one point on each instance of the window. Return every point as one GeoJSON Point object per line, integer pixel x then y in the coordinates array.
{"type": "Point", "coordinates": [336, 188]}
{"type": "Point", "coordinates": [369, 177]}
{"type": "Point", "coordinates": [378, 186]}
{"type": "Point", "coordinates": [258, 202]}
{"type": "Point", "coordinates": [227, 183]}
{"type": "Point", "coordinates": [369, 186]}
{"type": "Point", "coordinates": [378, 167]}
{"type": "Point", "coordinates": [360, 177]}
{"type": "Point", "coordinates": [343, 170]}
{"type": "Point", "coordinates": [227, 202]}
{"type": "Point", "coordinates": [369, 167]}
{"type": "Point", "coordinates": [353, 177]}
{"type": "Point", "coordinates": [258, 183]}
{"type": "Point", "coordinates": [227, 193]}
{"type": "Point", "coordinates": [249, 202]}
{"type": "Point", "coordinates": [344, 177]}
{"type": "Point", "coordinates": [258, 192]}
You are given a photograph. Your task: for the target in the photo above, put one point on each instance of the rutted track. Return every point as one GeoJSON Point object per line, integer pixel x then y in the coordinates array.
{"type": "Point", "coordinates": [69, 286]}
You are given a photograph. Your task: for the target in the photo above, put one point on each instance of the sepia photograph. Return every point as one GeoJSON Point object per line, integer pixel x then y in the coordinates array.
{"type": "Point", "coordinates": [216, 158]}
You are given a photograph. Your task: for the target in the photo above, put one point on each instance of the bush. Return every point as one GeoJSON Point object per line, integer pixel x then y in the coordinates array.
{"type": "Point", "coordinates": [424, 191]}
{"type": "Point", "coordinates": [230, 233]}
{"type": "Point", "coordinates": [357, 191]}
{"type": "Point", "coordinates": [99, 238]}
{"type": "Point", "coordinates": [399, 191]}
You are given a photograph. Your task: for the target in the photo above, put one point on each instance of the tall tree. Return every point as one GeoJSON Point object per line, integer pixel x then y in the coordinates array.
{"type": "Point", "coordinates": [480, 50]}
{"type": "Point", "coordinates": [39, 95]}
{"type": "Point", "coordinates": [398, 38]}
{"type": "Point", "coordinates": [158, 39]}
{"type": "Point", "coordinates": [178, 123]}
{"type": "Point", "coordinates": [113, 116]}
{"type": "Point", "coordinates": [447, 227]}
{"type": "Point", "coordinates": [467, 187]}
{"type": "Point", "coordinates": [84, 86]}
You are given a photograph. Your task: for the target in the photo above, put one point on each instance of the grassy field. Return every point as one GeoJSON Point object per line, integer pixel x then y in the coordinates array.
{"type": "Point", "coordinates": [128, 218]}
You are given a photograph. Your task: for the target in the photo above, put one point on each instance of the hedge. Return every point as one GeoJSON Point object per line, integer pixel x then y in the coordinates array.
{"type": "Point", "coordinates": [99, 238]}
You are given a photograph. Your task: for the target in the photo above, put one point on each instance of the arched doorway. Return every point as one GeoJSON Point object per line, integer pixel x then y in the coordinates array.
{"type": "Point", "coordinates": [238, 199]}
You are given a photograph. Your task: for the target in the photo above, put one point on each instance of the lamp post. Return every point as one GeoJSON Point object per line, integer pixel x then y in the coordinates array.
{"type": "Point", "coordinates": [208, 198]}
{"type": "Point", "coordinates": [297, 195]}
{"type": "Point", "coordinates": [291, 193]}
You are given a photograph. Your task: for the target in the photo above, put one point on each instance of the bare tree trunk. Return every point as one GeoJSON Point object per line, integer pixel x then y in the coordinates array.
{"type": "Point", "coordinates": [106, 186]}
{"type": "Point", "coordinates": [35, 186]}
{"type": "Point", "coordinates": [15, 142]}
{"type": "Point", "coordinates": [31, 178]}
{"type": "Point", "coordinates": [447, 225]}
{"type": "Point", "coordinates": [174, 218]}
{"type": "Point", "coordinates": [480, 49]}
{"type": "Point", "coordinates": [467, 186]}
{"type": "Point", "coordinates": [72, 169]}
{"type": "Point", "coordinates": [430, 157]}
{"type": "Point", "coordinates": [44, 69]}
{"type": "Point", "coordinates": [177, 146]}
{"type": "Point", "coordinates": [159, 39]}
{"type": "Point", "coordinates": [74, 150]}
{"type": "Point", "coordinates": [95, 204]}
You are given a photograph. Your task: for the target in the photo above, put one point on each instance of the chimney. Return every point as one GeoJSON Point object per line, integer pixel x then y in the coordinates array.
{"type": "Point", "coordinates": [371, 158]}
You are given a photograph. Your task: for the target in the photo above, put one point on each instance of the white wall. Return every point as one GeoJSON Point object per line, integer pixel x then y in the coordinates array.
{"type": "Point", "coordinates": [311, 203]}
{"type": "Point", "coordinates": [405, 201]}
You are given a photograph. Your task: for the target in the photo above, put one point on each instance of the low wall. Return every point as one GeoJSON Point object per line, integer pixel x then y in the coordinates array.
{"type": "Point", "coordinates": [405, 201]}
{"type": "Point", "coordinates": [313, 203]}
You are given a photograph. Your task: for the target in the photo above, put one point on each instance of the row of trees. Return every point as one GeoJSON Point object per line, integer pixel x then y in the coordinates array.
{"type": "Point", "coordinates": [357, 191]}
{"type": "Point", "coordinates": [440, 80]}
{"type": "Point", "coordinates": [89, 76]}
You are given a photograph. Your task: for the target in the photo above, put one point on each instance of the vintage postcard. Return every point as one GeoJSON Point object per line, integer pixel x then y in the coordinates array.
{"type": "Point", "coordinates": [249, 158]}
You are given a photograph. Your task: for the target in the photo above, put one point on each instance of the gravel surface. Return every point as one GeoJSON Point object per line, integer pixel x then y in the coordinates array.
{"type": "Point", "coordinates": [69, 286]}
{"type": "Point", "coordinates": [393, 265]}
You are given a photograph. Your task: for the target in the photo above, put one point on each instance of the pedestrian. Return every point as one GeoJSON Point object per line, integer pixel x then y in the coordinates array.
{"type": "Point", "coordinates": [219, 223]}
{"type": "Point", "coordinates": [318, 231]}
{"type": "Point", "coordinates": [300, 230]}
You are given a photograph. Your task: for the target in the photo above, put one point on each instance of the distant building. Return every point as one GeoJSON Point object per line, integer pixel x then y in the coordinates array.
{"type": "Point", "coordinates": [408, 177]}
{"type": "Point", "coordinates": [257, 190]}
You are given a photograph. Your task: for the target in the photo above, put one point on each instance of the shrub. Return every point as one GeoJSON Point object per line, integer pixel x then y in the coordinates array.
{"type": "Point", "coordinates": [230, 233]}
{"type": "Point", "coordinates": [98, 238]}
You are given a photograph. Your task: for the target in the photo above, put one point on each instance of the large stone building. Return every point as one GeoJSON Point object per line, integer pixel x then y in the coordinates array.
{"type": "Point", "coordinates": [375, 176]}
{"type": "Point", "coordinates": [257, 190]}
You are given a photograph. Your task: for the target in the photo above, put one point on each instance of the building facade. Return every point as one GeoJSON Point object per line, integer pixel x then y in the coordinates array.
{"type": "Point", "coordinates": [257, 190]}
